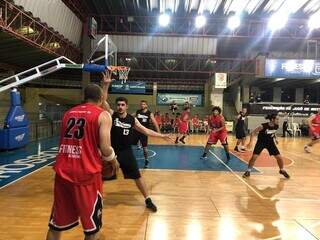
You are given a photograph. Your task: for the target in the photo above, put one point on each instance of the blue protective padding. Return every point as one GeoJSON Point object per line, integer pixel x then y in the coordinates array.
{"type": "Point", "coordinates": [94, 68]}
{"type": "Point", "coordinates": [16, 118]}
{"type": "Point", "coordinates": [15, 98]}
{"type": "Point", "coordinates": [14, 138]}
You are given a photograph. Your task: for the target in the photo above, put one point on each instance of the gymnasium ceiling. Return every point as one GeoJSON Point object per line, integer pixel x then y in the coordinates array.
{"type": "Point", "coordinates": [254, 8]}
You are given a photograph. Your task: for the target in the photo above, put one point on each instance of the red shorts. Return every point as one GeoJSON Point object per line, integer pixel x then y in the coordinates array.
{"type": "Point", "coordinates": [221, 136]}
{"type": "Point", "coordinates": [74, 201]}
{"type": "Point", "coordinates": [315, 134]}
{"type": "Point", "coordinates": [183, 127]}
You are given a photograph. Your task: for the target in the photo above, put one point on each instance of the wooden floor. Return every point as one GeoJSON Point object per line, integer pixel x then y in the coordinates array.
{"type": "Point", "coordinates": [192, 205]}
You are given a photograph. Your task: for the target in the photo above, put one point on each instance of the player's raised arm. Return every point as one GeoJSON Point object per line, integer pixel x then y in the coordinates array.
{"type": "Point", "coordinates": [105, 84]}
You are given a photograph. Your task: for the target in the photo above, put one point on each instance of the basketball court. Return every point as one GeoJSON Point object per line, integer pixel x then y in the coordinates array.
{"type": "Point", "coordinates": [258, 55]}
{"type": "Point", "coordinates": [196, 199]}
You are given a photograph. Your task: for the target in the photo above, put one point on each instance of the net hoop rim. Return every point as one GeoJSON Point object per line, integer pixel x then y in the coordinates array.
{"type": "Point", "coordinates": [118, 68]}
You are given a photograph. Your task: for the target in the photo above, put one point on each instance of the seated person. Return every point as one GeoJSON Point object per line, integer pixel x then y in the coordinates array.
{"type": "Point", "coordinates": [251, 98]}
{"type": "Point", "coordinates": [195, 123]}
{"type": "Point", "coordinates": [206, 123]}
{"type": "Point", "coordinates": [258, 98]}
{"type": "Point", "coordinates": [306, 99]}
{"type": "Point", "coordinates": [304, 127]}
{"type": "Point", "coordinates": [166, 123]}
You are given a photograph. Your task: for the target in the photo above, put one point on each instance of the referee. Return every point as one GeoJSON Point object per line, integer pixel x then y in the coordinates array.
{"type": "Point", "coordinates": [123, 125]}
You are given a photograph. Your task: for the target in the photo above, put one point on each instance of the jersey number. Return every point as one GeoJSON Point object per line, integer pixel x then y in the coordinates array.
{"type": "Point", "coordinates": [78, 132]}
{"type": "Point", "coordinates": [125, 131]}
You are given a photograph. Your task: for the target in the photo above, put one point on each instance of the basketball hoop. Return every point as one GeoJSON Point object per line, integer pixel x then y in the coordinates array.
{"type": "Point", "coordinates": [122, 71]}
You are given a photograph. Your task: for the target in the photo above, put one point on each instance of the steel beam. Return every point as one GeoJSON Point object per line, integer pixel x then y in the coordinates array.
{"type": "Point", "coordinates": [215, 27]}
{"type": "Point", "coordinates": [13, 19]}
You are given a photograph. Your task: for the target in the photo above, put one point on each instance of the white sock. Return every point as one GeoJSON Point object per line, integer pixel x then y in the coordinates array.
{"type": "Point", "coordinates": [147, 197]}
{"type": "Point", "coordinates": [249, 169]}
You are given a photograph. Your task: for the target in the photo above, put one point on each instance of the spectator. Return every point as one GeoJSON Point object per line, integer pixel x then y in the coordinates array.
{"type": "Point", "coordinates": [186, 105]}
{"type": "Point", "coordinates": [258, 98]}
{"type": "Point", "coordinates": [173, 107]}
{"type": "Point", "coordinates": [166, 123]}
{"type": "Point", "coordinates": [306, 99]}
{"type": "Point", "coordinates": [206, 123]}
{"type": "Point", "coordinates": [285, 125]}
{"type": "Point", "coordinates": [176, 122]}
{"type": "Point", "coordinates": [251, 98]}
{"type": "Point", "coordinates": [195, 123]}
{"type": "Point", "coordinates": [157, 116]}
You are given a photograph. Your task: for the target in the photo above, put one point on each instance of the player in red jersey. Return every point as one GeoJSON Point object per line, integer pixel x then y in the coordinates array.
{"type": "Point", "coordinates": [314, 129]}
{"type": "Point", "coordinates": [183, 126]}
{"type": "Point", "coordinates": [218, 132]}
{"type": "Point", "coordinates": [78, 167]}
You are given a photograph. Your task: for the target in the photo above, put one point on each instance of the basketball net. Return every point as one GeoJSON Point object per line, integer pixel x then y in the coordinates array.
{"type": "Point", "coordinates": [121, 71]}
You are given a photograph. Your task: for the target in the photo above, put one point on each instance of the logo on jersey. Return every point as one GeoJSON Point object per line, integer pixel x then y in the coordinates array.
{"type": "Point", "coordinates": [73, 151]}
{"type": "Point", "coordinates": [271, 132]}
{"type": "Point", "coordinates": [117, 123]}
{"type": "Point", "coordinates": [19, 118]}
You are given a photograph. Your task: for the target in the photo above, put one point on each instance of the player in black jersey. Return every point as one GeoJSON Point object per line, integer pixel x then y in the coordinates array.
{"type": "Point", "coordinates": [241, 131]}
{"type": "Point", "coordinates": [123, 125]}
{"type": "Point", "coordinates": [144, 115]}
{"type": "Point", "coordinates": [266, 140]}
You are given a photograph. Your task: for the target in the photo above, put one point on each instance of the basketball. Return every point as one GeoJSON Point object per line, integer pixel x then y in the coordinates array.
{"type": "Point", "coordinates": [107, 169]}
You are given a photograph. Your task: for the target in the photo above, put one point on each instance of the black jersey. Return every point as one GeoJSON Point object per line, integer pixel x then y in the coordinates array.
{"type": "Point", "coordinates": [241, 121]}
{"type": "Point", "coordinates": [268, 133]}
{"type": "Point", "coordinates": [144, 117]}
{"type": "Point", "coordinates": [121, 131]}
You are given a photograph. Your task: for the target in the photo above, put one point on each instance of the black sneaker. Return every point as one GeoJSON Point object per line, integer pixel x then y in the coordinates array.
{"type": "Point", "coordinates": [284, 173]}
{"type": "Point", "coordinates": [146, 163]}
{"type": "Point", "coordinates": [246, 174]}
{"type": "Point", "coordinates": [150, 205]}
{"type": "Point", "coordinates": [181, 140]}
{"type": "Point", "coordinates": [236, 149]}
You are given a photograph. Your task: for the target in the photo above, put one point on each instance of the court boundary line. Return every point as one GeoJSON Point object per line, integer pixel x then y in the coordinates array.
{"type": "Point", "coordinates": [255, 191]}
{"type": "Point", "coordinates": [26, 175]}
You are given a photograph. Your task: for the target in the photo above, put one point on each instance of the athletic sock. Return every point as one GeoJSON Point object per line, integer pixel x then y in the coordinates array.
{"type": "Point", "coordinates": [249, 169]}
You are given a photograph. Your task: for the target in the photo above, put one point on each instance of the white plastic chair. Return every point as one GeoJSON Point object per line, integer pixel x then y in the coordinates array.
{"type": "Point", "coordinates": [296, 129]}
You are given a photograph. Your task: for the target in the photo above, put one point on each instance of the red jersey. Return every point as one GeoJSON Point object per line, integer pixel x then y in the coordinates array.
{"type": "Point", "coordinates": [185, 116]}
{"type": "Point", "coordinates": [78, 157]}
{"type": "Point", "coordinates": [195, 121]}
{"type": "Point", "coordinates": [158, 119]}
{"type": "Point", "coordinates": [216, 122]}
{"type": "Point", "coordinates": [316, 121]}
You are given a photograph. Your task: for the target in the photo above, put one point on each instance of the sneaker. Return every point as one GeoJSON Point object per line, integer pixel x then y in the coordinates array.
{"type": "Point", "coordinates": [204, 157]}
{"type": "Point", "coordinates": [181, 140]}
{"type": "Point", "coordinates": [236, 149]}
{"type": "Point", "coordinates": [150, 205]}
{"type": "Point", "coordinates": [146, 163]}
{"type": "Point", "coordinates": [284, 173]}
{"type": "Point", "coordinates": [246, 174]}
{"type": "Point", "coordinates": [307, 149]}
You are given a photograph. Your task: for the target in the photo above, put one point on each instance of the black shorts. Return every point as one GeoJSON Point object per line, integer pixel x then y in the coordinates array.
{"type": "Point", "coordinates": [271, 147]}
{"type": "Point", "coordinates": [240, 133]}
{"type": "Point", "coordinates": [128, 164]}
{"type": "Point", "coordinates": [142, 138]}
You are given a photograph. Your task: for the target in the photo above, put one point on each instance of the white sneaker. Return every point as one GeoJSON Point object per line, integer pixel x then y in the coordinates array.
{"type": "Point", "coordinates": [307, 149]}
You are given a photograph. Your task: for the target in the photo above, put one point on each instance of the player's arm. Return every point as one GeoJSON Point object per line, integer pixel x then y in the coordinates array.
{"type": "Point", "coordinates": [310, 122]}
{"type": "Point", "coordinates": [105, 84]}
{"type": "Point", "coordinates": [154, 122]}
{"type": "Point", "coordinates": [148, 132]}
{"type": "Point", "coordinates": [223, 125]}
{"type": "Point", "coordinates": [252, 135]}
{"type": "Point", "coordinates": [105, 123]}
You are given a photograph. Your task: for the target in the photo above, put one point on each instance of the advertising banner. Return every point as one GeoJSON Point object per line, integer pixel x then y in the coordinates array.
{"type": "Point", "coordinates": [128, 87]}
{"type": "Point", "coordinates": [180, 99]}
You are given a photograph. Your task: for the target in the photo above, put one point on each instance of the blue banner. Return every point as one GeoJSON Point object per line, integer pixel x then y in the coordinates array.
{"type": "Point", "coordinates": [180, 99]}
{"type": "Point", "coordinates": [292, 68]}
{"type": "Point", "coordinates": [128, 87]}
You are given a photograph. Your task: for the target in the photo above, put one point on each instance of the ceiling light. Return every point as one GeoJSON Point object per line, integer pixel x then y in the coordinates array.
{"type": "Point", "coordinates": [234, 22]}
{"type": "Point", "coordinates": [200, 21]}
{"type": "Point", "coordinates": [164, 20]}
{"type": "Point", "coordinates": [277, 21]}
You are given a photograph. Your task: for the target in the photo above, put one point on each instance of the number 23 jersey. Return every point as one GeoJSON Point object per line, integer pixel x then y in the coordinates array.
{"type": "Point", "coordinates": [78, 157]}
{"type": "Point", "coordinates": [121, 131]}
